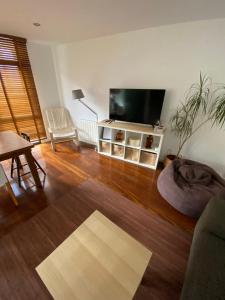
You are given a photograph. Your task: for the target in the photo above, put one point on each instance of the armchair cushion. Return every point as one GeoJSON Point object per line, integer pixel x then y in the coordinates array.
{"type": "Point", "coordinates": [64, 133]}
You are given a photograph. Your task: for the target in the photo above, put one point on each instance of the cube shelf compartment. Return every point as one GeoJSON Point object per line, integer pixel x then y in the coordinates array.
{"type": "Point", "coordinates": [127, 141]}
{"type": "Point", "coordinates": [104, 134]}
{"type": "Point", "coordinates": [148, 158]}
{"type": "Point", "coordinates": [118, 136]}
{"type": "Point", "coordinates": [131, 154]}
{"type": "Point", "coordinates": [155, 143]}
{"type": "Point", "coordinates": [117, 150]}
{"type": "Point", "coordinates": [104, 147]}
{"type": "Point", "coordinates": [133, 139]}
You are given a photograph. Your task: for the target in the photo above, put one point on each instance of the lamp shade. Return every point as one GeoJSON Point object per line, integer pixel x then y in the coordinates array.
{"type": "Point", "coordinates": [77, 94]}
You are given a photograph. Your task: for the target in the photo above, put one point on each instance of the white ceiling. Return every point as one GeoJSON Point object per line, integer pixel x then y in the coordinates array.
{"type": "Point", "coordinates": [74, 20]}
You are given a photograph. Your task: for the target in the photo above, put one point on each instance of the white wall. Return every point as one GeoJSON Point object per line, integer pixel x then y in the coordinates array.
{"type": "Point", "coordinates": [169, 57]}
{"type": "Point", "coordinates": [43, 68]}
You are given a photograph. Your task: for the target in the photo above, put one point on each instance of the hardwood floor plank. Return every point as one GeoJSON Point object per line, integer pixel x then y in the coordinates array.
{"type": "Point", "coordinates": [68, 168]}
{"type": "Point", "coordinates": [77, 183]}
{"type": "Point", "coordinates": [22, 282]}
{"type": "Point", "coordinates": [27, 245]}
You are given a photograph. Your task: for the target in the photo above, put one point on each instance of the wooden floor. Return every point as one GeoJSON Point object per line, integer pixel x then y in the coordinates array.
{"type": "Point", "coordinates": [68, 168]}
{"type": "Point", "coordinates": [32, 241]}
{"type": "Point", "coordinates": [76, 184]}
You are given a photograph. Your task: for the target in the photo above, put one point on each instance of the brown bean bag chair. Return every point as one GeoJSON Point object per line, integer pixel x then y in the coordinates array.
{"type": "Point", "coordinates": [188, 186]}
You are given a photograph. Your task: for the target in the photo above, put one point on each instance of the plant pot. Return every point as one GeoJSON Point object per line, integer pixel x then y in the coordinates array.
{"type": "Point", "coordinates": [168, 160]}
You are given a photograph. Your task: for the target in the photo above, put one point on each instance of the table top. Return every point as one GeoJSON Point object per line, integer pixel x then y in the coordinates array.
{"type": "Point", "coordinates": [97, 261]}
{"type": "Point", "coordinates": [11, 143]}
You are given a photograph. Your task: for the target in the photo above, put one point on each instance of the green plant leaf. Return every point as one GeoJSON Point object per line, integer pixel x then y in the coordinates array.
{"type": "Point", "coordinates": [203, 103]}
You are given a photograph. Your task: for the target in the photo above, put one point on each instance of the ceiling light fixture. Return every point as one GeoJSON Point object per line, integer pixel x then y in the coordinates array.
{"type": "Point", "coordinates": [36, 24]}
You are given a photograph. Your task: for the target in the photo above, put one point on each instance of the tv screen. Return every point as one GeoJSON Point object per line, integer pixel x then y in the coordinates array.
{"type": "Point", "coordinates": [136, 105]}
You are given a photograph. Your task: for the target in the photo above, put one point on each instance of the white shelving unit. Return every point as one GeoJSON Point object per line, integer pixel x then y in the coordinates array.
{"type": "Point", "coordinates": [132, 148]}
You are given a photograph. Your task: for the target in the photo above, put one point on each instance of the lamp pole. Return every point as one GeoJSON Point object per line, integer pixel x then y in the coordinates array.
{"type": "Point", "coordinates": [88, 107]}
{"type": "Point", "coordinates": [78, 95]}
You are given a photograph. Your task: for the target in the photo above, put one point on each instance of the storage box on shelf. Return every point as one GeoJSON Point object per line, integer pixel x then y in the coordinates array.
{"type": "Point", "coordinates": [148, 158]}
{"type": "Point", "coordinates": [138, 144]}
{"type": "Point", "coordinates": [133, 139]}
{"type": "Point", "coordinates": [104, 147]}
{"type": "Point", "coordinates": [117, 150]}
{"type": "Point", "coordinates": [131, 154]}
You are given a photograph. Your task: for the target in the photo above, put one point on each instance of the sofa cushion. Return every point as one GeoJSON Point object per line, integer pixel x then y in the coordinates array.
{"type": "Point", "coordinates": [213, 218]}
{"type": "Point", "coordinates": [205, 275]}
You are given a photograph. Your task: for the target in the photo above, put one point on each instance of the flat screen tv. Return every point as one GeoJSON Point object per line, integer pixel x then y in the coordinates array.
{"type": "Point", "coordinates": [136, 105]}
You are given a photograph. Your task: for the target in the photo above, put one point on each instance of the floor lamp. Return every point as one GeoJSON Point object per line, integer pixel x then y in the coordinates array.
{"type": "Point", "coordinates": [78, 95]}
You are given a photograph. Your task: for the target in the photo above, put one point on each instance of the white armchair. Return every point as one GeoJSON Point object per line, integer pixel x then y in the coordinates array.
{"type": "Point", "coordinates": [60, 126]}
{"type": "Point", "coordinates": [4, 182]}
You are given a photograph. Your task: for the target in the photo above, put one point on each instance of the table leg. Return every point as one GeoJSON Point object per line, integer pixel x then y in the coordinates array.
{"type": "Point", "coordinates": [33, 169]}
{"type": "Point", "coordinates": [11, 193]}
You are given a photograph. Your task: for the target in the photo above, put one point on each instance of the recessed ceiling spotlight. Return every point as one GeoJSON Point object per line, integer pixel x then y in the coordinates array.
{"type": "Point", "coordinates": [36, 24]}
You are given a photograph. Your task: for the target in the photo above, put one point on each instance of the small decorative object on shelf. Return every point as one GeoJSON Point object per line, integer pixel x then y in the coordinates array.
{"type": "Point", "coordinates": [134, 141]}
{"type": "Point", "coordinates": [119, 136]}
{"type": "Point", "coordinates": [159, 129]}
{"type": "Point", "coordinates": [149, 141]}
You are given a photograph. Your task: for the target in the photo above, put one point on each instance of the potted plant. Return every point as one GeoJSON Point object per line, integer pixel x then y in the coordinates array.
{"type": "Point", "coordinates": [204, 102]}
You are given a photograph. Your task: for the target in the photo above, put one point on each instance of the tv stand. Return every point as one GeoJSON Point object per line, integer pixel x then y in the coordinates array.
{"type": "Point", "coordinates": [127, 141]}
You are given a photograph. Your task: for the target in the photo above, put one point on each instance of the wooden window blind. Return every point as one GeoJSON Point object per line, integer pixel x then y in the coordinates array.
{"type": "Point", "coordinates": [19, 106]}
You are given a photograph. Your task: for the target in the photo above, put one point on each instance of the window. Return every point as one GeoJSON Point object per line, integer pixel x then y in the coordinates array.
{"type": "Point", "coordinates": [19, 106]}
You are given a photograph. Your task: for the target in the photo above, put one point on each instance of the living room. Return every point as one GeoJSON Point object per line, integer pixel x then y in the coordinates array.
{"type": "Point", "coordinates": [112, 118]}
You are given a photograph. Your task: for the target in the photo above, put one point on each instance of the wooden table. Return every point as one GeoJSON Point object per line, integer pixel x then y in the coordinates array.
{"type": "Point", "coordinates": [13, 145]}
{"type": "Point", "coordinates": [98, 261]}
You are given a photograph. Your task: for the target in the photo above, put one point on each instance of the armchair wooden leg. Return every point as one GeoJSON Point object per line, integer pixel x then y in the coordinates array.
{"type": "Point", "coordinates": [11, 193]}
{"type": "Point", "coordinates": [76, 139]}
{"type": "Point", "coordinates": [76, 142]}
{"type": "Point", "coordinates": [53, 146]}
{"type": "Point", "coordinates": [52, 142]}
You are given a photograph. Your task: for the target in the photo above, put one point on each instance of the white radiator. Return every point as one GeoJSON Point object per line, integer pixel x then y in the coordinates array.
{"type": "Point", "coordinates": [87, 131]}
